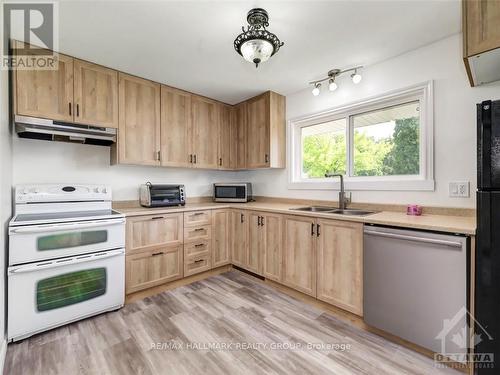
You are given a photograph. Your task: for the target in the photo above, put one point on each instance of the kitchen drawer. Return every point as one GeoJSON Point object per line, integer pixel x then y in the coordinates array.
{"type": "Point", "coordinates": [197, 247]}
{"type": "Point", "coordinates": [197, 263]}
{"type": "Point", "coordinates": [198, 233]}
{"type": "Point", "coordinates": [197, 218]}
{"type": "Point", "coordinates": [144, 233]}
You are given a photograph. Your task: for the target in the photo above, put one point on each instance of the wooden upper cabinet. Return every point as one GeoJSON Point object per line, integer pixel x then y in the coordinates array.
{"type": "Point", "coordinates": [481, 40]}
{"type": "Point", "coordinates": [481, 26]}
{"type": "Point", "coordinates": [175, 126]}
{"type": "Point", "coordinates": [204, 132]}
{"type": "Point", "coordinates": [340, 264]}
{"type": "Point", "coordinates": [139, 121]}
{"type": "Point", "coordinates": [238, 147]}
{"type": "Point", "coordinates": [265, 131]}
{"type": "Point", "coordinates": [299, 258]}
{"type": "Point", "coordinates": [45, 93]}
{"type": "Point", "coordinates": [95, 94]}
{"type": "Point", "coordinates": [225, 158]}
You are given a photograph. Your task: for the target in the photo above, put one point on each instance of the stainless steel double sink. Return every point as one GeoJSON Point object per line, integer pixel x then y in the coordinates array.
{"type": "Point", "coordinates": [334, 210]}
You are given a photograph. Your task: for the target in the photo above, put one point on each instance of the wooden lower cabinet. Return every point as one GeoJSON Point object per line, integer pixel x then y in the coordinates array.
{"type": "Point", "coordinates": [340, 264]}
{"type": "Point", "coordinates": [238, 229]}
{"type": "Point", "coordinates": [256, 240]}
{"type": "Point", "coordinates": [153, 267]}
{"type": "Point", "coordinates": [221, 254]}
{"type": "Point", "coordinates": [299, 258]}
{"type": "Point", "coordinates": [272, 255]}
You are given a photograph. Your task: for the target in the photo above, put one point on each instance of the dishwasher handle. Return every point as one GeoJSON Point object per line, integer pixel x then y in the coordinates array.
{"type": "Point", "coordinates": [433, 241]}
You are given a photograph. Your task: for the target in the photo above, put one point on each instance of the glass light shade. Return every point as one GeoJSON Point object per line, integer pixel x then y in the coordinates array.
{"type": "Point", "coordinates": [332, 86]}
{"type": "Point", "coordinates": [257, 50]}
{"type": "Point", "coordinates": [315, 90]}
{"type": "Point", "coordinates": [356, 78]}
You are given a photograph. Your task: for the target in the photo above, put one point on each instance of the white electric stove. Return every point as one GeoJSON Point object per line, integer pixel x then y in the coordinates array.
{"type": "Point", "coordinates": [66, 256]}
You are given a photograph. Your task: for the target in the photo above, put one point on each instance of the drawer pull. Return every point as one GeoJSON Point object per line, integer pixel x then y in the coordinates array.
{"type": "Point", "coordinates": [199, 260]}
{"type": "Point", "coordinates": [198, 213]}
{"type": "Point", "coordinates": [199, 245]}
{"type": "Point", "coordinates": [199, 229]}
{"type": "Point", "coordinates": [157, 217]}
{"type": "Point", "coordinates": [155, 254]}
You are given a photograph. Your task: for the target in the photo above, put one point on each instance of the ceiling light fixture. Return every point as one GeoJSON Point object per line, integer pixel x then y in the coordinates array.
{"type": "Point", "coordinates": [356, 77]}
{"type": "Point", "coordinates": [316, 88]}
{"type": "Point", "coordinates": [256, 44]}
{"type": "Point", "coordinates": [332, 74]}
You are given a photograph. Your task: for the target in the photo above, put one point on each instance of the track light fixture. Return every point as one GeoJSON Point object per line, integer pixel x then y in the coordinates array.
{"type": "Point", "coordinates": [332, 74]}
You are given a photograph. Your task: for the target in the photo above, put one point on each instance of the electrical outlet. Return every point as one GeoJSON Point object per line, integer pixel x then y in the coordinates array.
{"type": "Point", "coordinates": [459, 189]}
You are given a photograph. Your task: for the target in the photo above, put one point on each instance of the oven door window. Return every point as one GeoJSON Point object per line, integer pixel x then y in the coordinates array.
{"type": "Point", "coordinates": [73, 239]}
{"type": "Point", "coordinates": [70, 288]}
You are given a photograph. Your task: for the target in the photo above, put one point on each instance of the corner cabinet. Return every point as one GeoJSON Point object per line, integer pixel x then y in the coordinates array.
{"type": "Point", "coordinates": [265, 131]}
{"type": "Point", "coordinates": [139, 122]}
{"type": "Point", "coordinates": [481, 40]}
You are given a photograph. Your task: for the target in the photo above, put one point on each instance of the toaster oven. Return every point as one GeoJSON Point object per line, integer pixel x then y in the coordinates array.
{"type": "Point", "coordinates": [152, 195]}
{"type": "Point", "coordinates": [233, 192]}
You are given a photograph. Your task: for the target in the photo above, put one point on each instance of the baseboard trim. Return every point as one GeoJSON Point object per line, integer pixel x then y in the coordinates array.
{"type": "Point", "coordinates": [3, 354]}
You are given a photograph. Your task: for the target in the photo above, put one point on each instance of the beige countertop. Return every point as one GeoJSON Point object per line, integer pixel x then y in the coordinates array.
{"type": "Point", "coordinates": [447, 220]}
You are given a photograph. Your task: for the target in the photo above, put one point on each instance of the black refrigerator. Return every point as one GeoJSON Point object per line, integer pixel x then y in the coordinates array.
{"type": "Point", "coordinates": [487, 269]}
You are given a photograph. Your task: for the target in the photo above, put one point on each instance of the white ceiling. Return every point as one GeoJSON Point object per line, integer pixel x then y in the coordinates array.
{"type": "Point", "coordinates": [189, 44]}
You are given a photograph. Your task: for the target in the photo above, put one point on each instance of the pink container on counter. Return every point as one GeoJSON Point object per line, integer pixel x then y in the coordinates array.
{"type": "Point", "coordinates": [414, 210]}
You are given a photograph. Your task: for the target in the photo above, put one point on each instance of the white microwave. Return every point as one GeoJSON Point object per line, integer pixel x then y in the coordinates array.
{"type": "Point", "coordinates": [233, 192]}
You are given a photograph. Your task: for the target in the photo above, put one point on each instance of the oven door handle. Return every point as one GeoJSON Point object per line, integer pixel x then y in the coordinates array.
{"type": "Point", "coordinates": [65, 262]}
{"type": "Point", "coordinates": [65, 226]}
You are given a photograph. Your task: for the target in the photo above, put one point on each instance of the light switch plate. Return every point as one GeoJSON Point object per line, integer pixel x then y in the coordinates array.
{"type": "Point", "coordinates": [459, 189]}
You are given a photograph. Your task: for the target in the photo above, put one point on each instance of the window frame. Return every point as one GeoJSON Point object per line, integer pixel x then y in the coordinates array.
{"type": "Point", "coordinates": [424, 181]}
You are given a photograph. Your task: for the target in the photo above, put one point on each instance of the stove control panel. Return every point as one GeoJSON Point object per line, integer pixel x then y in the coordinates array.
{"type": "Point", "coordinates": [41, 193]}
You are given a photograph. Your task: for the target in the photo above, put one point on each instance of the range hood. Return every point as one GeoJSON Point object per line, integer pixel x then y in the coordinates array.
{"type": "Point", "coordinates": [49, 130]}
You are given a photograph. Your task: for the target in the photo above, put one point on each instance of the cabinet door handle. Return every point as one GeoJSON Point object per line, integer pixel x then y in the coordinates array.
{"type": "Point", "coordinates": [262, 220]}
{"type": "Point", "coordinates": [158, 155]}
{"type": "Point", "coordinates": [220, 162]}
{"type": "Point", "coordinates": [266, 158]}
{"type": "Point", "coordinates": [194, 158]}
{"type": "Point", "coordinates": [69, 104]}
{"type": "Point", "coordinates": [312, 229]}
{"type": "Point", "coordinates": [157, 217]}
{"type": "Point", "coordinates": [317, 229]}
{"type": "Point", "coordinates": [77, 110]}
{"type": "Point", "coordinates": [155, 254]}
{"type": "Point", "coordinates": [242, 218]}
{"type": "Point", "coordinates": [190, 158]}
{"type": "Point", "coordinates": [258, 221]}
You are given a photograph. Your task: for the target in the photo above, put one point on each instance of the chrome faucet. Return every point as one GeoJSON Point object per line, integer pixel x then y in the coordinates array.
{"type": "Point", "coordinates": [343, 200]}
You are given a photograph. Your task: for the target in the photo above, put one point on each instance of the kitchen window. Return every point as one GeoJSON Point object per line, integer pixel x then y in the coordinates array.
{"type": "Point", "coordinates": [384, 143]}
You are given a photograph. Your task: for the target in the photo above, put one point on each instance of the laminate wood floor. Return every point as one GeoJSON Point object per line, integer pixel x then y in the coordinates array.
{"type": "Point", "coordinates": [226, 324]}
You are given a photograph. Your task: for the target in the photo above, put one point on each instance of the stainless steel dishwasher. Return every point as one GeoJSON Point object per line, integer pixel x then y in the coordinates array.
{"type": "Point", "coordinates": [413, 281]}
